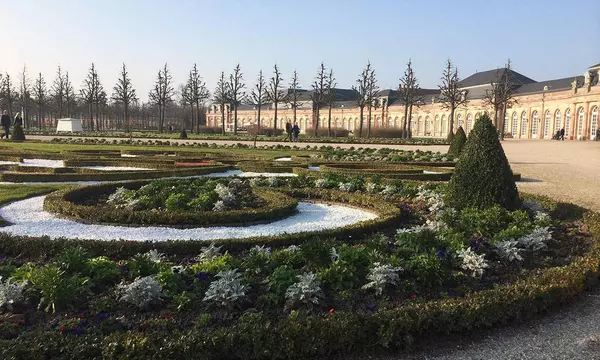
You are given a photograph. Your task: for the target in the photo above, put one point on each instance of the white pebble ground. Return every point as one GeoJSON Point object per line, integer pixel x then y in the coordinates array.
{"type": "Point", "coordinates": [115, 168]}
{"type": "Point", "coordinates": [284, 159]}
{"type": "Point", "coordinates": [29, 219]}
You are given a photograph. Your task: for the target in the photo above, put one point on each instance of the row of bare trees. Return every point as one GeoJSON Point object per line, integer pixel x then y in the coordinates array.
{"type": "Point", "coordinates": [61, 100]}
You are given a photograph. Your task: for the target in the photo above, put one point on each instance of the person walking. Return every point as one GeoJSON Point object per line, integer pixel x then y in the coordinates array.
{"type": "Point", "coordinates": [295, 132]}
{"type": "Point", "coordinates": [562, 134]}
{"type": "Point", "coordinates": [18, 119]}
{"type": "Point", "coordinates": [5, 122]}
{"type": "Point", "coordinates": [288, 131]}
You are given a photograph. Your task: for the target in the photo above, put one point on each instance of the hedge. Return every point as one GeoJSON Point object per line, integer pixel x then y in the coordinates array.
{"type": "Point", "coordinates": [268, 166]}
{"type": "Point", "coordinates": [65, 203]}
{"type": "Point", "coordinates": [112, 176]}
{"type": "Point", "coordinates": [340, 332]}
{"type": "Point", "coordinates": [324, 132]}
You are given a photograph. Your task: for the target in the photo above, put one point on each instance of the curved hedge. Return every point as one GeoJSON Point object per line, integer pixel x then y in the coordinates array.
{"type": "Point", "coordinates": [63, 202]}
{"type": "Point", "coordinates": [112, 175]}
{"type": "Point", "coordinates": [268, 166]}
{"type": "Point", "coordinates": [254, 337]}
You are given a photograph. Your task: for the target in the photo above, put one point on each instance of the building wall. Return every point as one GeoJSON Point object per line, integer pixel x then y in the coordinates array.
{"type": "Point", "coordinates": [533, 116]}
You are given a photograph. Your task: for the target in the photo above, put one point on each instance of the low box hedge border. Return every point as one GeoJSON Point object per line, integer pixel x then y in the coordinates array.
{"type": "Point", "coordinates": [268, 166]}
{"type": "Point", "coordinates": [113, 175]}
{"type": "Point", "coordinates": [252, 337]}
{"type": "Point", "coordinates": [64, 203]}
{"type": "Point", "coordinates": [390, 216]}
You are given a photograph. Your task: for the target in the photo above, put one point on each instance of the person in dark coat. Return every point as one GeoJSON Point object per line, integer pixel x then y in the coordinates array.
{"type": "Point", "coordinates": [562, 134]}
{"type": "Point", "coordinates": [18, 120]}
{"type": "Point", "coordinates": [295, 132]}
{"type": "Point", "coordinates": [5, 122]}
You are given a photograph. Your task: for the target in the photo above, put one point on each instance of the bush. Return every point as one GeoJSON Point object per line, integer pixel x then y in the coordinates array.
{"type": "Point", "coordinates": [265, 131]}
{"type": "Point", "coordinates": [183, 134]}
{"type": "Point", "coordinates": [386, 133]}
{"type": "Point", "coordinates": [458, 142]}
{"type": "Point", "coordinates": [450, 137]}
{"type": "Point", "coordinates": [209, 130]}
{"type": "Point", "coordinates": [323, 132]}
{"type": "Point", "coordinates": [482, 177]}
{"type": "Point", "coordinates": [18, 134]}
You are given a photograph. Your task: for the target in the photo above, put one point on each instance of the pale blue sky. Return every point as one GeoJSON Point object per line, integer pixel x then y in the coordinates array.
{"type": "Point", "coordinates": [545, 39]}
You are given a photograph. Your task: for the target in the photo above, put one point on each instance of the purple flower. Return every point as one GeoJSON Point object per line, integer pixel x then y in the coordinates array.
{"type": "Point", "coordinates": [103, 316]}
{"type": "Point", "coordinates": [372, 308]}
{"type": "Point", "coordinates": [452, 294]}
{"type": "Point", "coordinates": [1, 258]}
{"type": "Point", "coordinates": [392, 245]}
{"type": "Point", "coordinates": [123, 267]}
{"type": "Point", "coordinates": [483, 277]}
{"type": "Point", "coordinates": [201, 276]}
{"type": "Point", "coordinates": [84, 323]}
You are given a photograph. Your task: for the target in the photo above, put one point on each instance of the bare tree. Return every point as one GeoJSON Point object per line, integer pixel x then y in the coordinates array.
{"type": "Point", "coordinates": [258, 99]}
{"type": "Point", "coordinates": [501, 96]}
{"type": "Point", "coordinates": [124, 94]}
{"type": "Point", "coordinates": [236, 89]}
{"type": "Point", "coordinates": [275, 93]}
{"type": "Point", "coordinates": [451, 96]}
{"type": "Point", "coordinates": [58, 92]}
{"type": "Point", "coordinates": [293, 94]}
{"type": "Point", "coordinates": [9, 93]}
{"type": "Point", "coordinates": [409, 93]}
{"type": "Point", "coordinates": [318, 96]}
{"type": "Point", "coordinates": [330, 95]}
{"type": "Point", "coordinates": [25, 94]}
{"type": "Point", "coordinates": [362, 88]}
{"type": "Point", "coordinates": [90, 94]}
{"type": "Point", "coordinates": [69, 94]}
{"type": "Point", "coordinates": [162, 94]}
{"type": "Point", "coordinates": [198, 93]}
{"type": "Point", "coordinates": [371, 100]}
{"type": "Point", "coordinates": [222, 97]}
{"type": "Point", "coordinates": [40, 94]}
{"type": "Point", "coordinates": [185, 100]}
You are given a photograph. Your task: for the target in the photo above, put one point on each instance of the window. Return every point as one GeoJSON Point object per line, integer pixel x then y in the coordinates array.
{"type": "Point", "coordinates": [412, 125]}
{"type": "Point", "coordinates": [444, 125]}
{"type": "Point", "coordinates": [568, 122]}
{"type": "Point", "coordinates": [427, 127]}
{"type": "Point", "coordinates": [524, 124]}
{"type": "Point", "coordinates": [469, 123]}
{"type": "Point", "coordinates": [459, 121]}
{"type": "Point", "coordinates": [420, 129]}
{"type": "Point", "coordinates": [580, 117]}
{"type": "Point", "coordinates": [396, 122]}
{"type": "Point", "coordinates": [515, 124]}
{"type": "Point", "coordinates": [534, 124]}
{"type": "Point", "coordinates": [505, 129]}
{"type": "Point", "coordinates": [557, 121]}
{"type": "Point", "coordinates": [594, 124]}
{"type": "Point", "coordinates": [547, 124]}
{"type": "Point", "coordinates": [436, 126]}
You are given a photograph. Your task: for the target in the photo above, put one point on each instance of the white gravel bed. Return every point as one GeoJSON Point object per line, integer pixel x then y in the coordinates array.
{"type": "Point", "coordinates": [129, 155]}
{"type": "Point", "coordinates": [314, 168]}
{"type": "Point", "coordinates": [9, 163]}
{"type": "Point", "coordinates": [29, 219]}
{"type": "Point", "coordinates": [43, 163]}
{"type": "Point", "coordinates": [430, 172]}
{"type": "Point", "coordinates": [284, 159]}
{"type": "Point", "coordinates": [115, 168]}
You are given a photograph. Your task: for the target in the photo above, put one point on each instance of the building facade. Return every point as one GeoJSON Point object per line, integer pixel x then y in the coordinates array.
{"type": "Point", "coordinates": [540, 110]}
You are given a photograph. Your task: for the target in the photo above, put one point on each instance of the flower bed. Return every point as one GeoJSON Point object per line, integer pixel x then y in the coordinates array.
{"type": "Point", "coordinates": [448, 272]}
{"type": "Point", "coordinates": [184, 204]}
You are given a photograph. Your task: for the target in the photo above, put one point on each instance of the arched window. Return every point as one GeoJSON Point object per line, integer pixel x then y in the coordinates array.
{"type": "Point", "coordinates": [420, 129]}
{"type": "Point", "coordinates": [459, 121]}
{"type": "Point", "coordinates": [469, 124]}
{"type": "Point", "coordinates": [524, 124]}
{"type": "Point", "coordinates": [444, 126]}
{"type": "Point", "coordinates": [568, 122]}
{"type": "Point", "coordinates": [436, 126]}
{"type": "Point", "coordinates": [594, 124]}
{"type": "Point", "coordinates": [535, 121]}
{"type": "Point", "coordinates": [547, 124]}
{"type": "Point", "coordinates": [557, 121]}
{"type": "Point", "coordinates": [580, 118]}
{"type": "Point", "coordinates": [412, 125]}
{"type": "Point", "coordinates": [396, 122]}
{"type": "Point", "coordinates": [505, 129]}
{"type": "Point", "coordinates": [427, 126]}
{"type": "Point", "coordinates": [515, 124]}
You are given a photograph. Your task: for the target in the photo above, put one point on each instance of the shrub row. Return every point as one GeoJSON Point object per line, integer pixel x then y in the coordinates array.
{"type": "Point", "coordinates": [65, 202]}
{"type": "Point", "coordinates": [267, 166]}
{"type": "Point", "coordinates": [340, 332]}
{"type": "Point", "coordinates": [112, 176]}
{"type": "Point", "coordinates": [324, 132]}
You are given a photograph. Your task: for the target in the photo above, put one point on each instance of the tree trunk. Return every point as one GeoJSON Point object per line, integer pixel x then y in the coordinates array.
{"type": "Point", "coordinates": [451, 121]}
{"type": "Point", "coordinates": [91, 116]}
{"type": "Point", "coordinates": [275, 123]}
{"type": "Point", "coordinates": [329, 124]}
{"type": "Point", "coordinates": [258, 122]}
{"type": "Point", "coordinates": [404, 123]}
{"type": "Point", "coordinates": [316, 124]}
{"type": "Point", "coordinates": [223, 119]}
{"type": "Point", "coordinates": [409, 132]}
{"type": "Point", "coordinates": [234, 119]}
{"type": "Point", "coordinates": [362, 120]}
{"type": "Point", "coordinates": [369, 108]}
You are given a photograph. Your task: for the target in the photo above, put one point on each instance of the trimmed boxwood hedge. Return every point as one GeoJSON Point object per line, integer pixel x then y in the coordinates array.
{"type": "Point", "coordinates": [253, 337]}
{"type": "Point", "coordinates": [112, 176]}
{"type": "Point", "coordinates": [64, 202]}
{"type": "Point", "coordinates": [268, 166]}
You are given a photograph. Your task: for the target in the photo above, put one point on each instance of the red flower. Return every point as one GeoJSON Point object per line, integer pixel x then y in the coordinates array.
{"type": "Point", "coordinates": [413, 296]}
{"type": "Point", "coordinates": [62, 329]}
{"type": "Point", "coordinates": [167, 317]}
{"type": "Point", "coordinates": [74, 326]}
{"type": "Point", "coordinates": [331, 311]}
{"type": "Point", "coordinates": [21, 322]}
{"type": "Point", "coordinates": [80, 316]}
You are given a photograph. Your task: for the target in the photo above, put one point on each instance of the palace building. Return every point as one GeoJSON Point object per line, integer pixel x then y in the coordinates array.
{"type": "Point", "coordinates": [540, 110]}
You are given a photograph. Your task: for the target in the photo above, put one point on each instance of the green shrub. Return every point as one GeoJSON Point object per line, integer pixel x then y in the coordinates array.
{"type": "Point", "coordinates": [458, 142]}
{"type": "Point", "coordinates": [17, 133]}
{"type": "Point", "coordinates": [183, 134]}
{"type": "Point", "coordinates": [57, 288]}
{"type": "Point", "coordinates": [482, 177]}
{"type": "Point", "coordinates": [384, 133]}
{"type": "Point", "coordinates": [323, 131]}
{"type": "Point", "coordinates": [450, 137]}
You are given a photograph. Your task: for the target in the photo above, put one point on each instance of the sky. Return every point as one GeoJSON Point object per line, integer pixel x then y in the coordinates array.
{"type": "Point", "coordinates": [545, 39]}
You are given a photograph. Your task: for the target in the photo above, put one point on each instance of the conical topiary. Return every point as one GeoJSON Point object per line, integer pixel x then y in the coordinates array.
{"type": "Point", "coordinates": [183, 134]}
{"type": "Point", "coordinates": [17, 133]}
{"type": "Point", "coordinates": [482, 177]}
{"type": "Point", "coordinates": [458, 142]}
{"type": "Point", "coordinates": [450, 137]}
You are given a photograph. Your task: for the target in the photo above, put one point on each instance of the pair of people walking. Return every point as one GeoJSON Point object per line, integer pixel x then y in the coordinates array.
{"type": "Point", "coordinates": [292, 131]}
{"type": "Point", "coordinates": [6, 123]}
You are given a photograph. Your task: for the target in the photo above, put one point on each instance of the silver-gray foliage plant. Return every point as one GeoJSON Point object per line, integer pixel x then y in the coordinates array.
{"type": "Point", "coordinates": [141, 292]}
{"type": "Point", "coordinates": [227, 289]}
{"type": "Point", "coordinates": [380, 276]}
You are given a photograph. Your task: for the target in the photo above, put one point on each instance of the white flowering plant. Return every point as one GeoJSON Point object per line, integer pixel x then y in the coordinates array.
{"type": "Point", "coordinates": [472, 262]}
